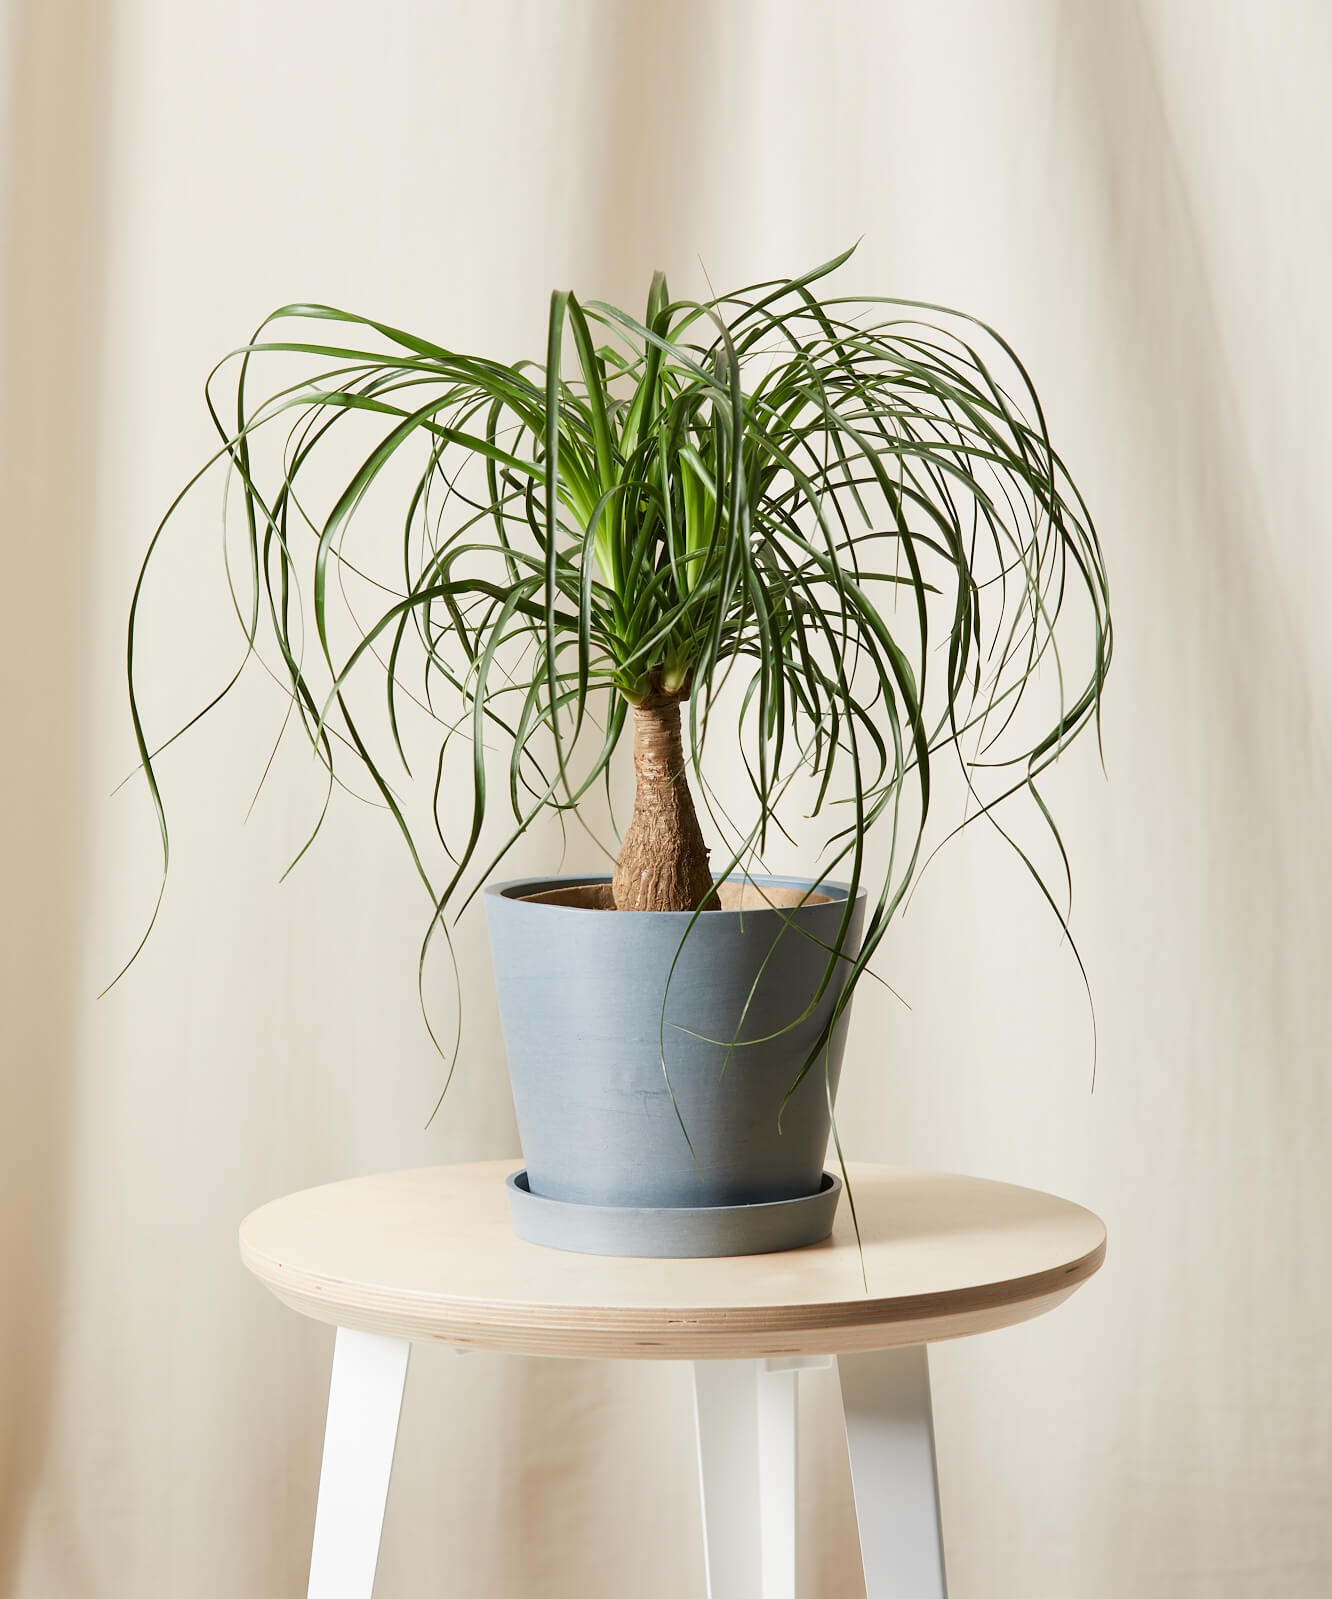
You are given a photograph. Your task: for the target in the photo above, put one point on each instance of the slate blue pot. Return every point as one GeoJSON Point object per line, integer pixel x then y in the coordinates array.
{"type": "Point", "coordinates": [581, 994]}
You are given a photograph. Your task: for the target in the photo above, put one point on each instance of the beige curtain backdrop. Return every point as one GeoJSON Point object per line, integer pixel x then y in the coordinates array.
{"type": "Point", "coordinates": [1138, 195]}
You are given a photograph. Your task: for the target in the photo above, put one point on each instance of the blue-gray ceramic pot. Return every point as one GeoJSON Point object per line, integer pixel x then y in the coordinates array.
{"type": "Point", "coordinates": [581, 996]}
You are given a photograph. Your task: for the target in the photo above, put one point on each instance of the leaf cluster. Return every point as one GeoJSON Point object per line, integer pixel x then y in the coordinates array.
{"type": "Point", "coordinates": [837, 523]}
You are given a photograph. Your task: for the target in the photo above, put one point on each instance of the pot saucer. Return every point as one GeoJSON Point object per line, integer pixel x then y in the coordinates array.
{"type": "Point", "coordinates": [684, 1233]}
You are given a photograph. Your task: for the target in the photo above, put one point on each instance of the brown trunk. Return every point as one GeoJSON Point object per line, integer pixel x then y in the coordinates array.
{"type": "Point", "coordinates": [663, 864]}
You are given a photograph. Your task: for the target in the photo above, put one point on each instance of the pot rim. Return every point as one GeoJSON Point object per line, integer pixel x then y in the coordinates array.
{"type": "Point", "coordinates": [515, 890]}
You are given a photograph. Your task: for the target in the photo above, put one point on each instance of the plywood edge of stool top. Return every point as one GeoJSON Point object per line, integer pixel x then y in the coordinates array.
{"type": "Point", "coordinates": [686, 1334]}
{"type": "Point", "coordinates": [431, 1255]}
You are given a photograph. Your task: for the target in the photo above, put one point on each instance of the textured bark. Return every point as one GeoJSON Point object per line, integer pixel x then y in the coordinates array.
{"type": "Point", "coordinates": [663, 864]}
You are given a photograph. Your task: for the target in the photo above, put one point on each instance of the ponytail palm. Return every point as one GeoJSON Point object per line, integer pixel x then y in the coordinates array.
{"type": "Point", "coordinates": [830, 532]}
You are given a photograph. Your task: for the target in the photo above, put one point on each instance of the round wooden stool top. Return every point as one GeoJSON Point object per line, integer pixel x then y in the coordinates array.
{"type": "Point", "coordinates": [431, 1254]}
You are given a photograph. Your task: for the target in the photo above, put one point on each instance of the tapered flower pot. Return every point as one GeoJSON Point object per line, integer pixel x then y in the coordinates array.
{"type": "Point", "coordinates": [651, 1070]}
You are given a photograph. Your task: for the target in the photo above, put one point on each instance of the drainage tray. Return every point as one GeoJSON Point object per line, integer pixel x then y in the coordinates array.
{"type": "Point", "coordinates": [690, 1232]}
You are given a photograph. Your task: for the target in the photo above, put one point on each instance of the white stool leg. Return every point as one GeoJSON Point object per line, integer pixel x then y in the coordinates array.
{"type": "Point", "coordinates": [726, 1409]}
{"type": "Point", "coordinates": [364, 1402]}
{"type": "Point", "coordinates": [890, 1438]}
{"type": "Point", "coordinates": [747, 1469]}
{"type": "Point", "coordinates": [779, 1478]}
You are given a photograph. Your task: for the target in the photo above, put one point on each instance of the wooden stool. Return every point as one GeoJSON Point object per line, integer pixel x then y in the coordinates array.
{"type": "Point", "coordinates": [431, 1255]}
